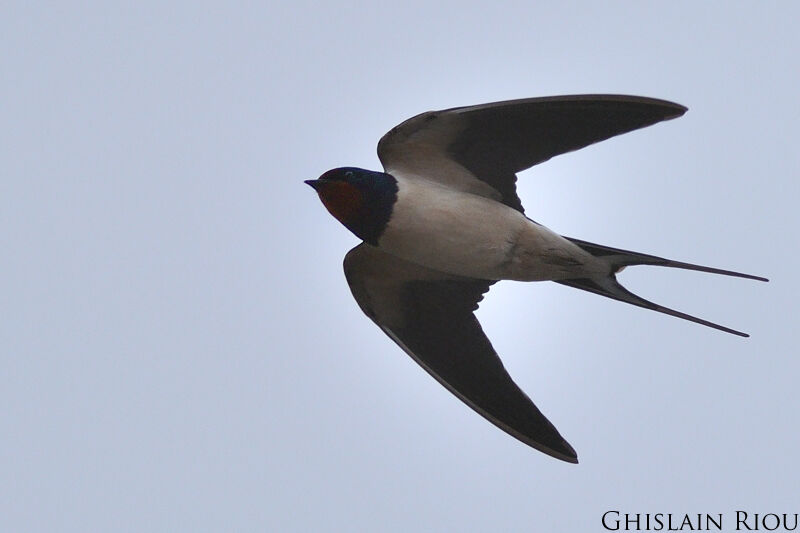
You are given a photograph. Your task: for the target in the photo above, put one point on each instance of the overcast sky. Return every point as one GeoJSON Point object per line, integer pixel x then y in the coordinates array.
{"type": "Point", "coordinates": [179, 350]}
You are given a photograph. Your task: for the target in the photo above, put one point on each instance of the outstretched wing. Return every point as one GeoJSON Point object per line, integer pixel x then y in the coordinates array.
{"type": "Point", "coordinates": [479, 149]}
{"type": "Point", "coordinates": [429, 314]}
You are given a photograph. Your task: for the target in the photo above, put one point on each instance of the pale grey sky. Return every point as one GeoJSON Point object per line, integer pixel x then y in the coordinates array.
{"type": "Point", "coordinates": [179, 350]}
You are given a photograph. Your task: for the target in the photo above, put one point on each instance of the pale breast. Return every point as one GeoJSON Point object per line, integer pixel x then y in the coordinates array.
{"type": "Point", "coordinates": [450, 230]}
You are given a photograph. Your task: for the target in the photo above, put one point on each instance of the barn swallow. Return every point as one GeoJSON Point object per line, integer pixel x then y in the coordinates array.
{"type": "Point", "coordinates": [443, 222]}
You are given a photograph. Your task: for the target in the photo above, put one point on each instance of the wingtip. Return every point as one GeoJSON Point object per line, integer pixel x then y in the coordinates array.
{"type": "Point", "coordinates": [566, 454]}
{"type": "Point", "coordinates": [568, 457]}
{"type": "Point", "coordinates": [561, 450]}
{"type": "Point", "coordinates": [679, 109]}
{"type": "Point", "coordinates": [572, 460]}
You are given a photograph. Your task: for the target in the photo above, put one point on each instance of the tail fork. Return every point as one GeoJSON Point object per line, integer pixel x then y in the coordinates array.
{"type": "Point", "coordinates": [619, 259]}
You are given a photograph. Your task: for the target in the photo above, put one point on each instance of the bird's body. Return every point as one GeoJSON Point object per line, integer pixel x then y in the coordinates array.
{"type": "Point", "coordinates": [484, 238]}
{"type": "Point", "coordinates": [444, 222]}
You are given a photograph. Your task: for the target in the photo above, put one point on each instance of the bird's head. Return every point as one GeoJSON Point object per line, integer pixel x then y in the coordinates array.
{"type": "Point", "coordinates": [360, 199]}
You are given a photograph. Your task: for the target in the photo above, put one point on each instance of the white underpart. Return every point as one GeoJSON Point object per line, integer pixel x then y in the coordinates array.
{"type": "Point", "coordinates": [475, 236]}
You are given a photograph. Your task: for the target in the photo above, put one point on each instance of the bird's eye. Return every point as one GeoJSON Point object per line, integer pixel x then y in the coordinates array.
{"type": "Point", "coordinates": [348, 174]}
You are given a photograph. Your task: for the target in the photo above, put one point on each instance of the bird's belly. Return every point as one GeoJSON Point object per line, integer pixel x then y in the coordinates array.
{"type": "Point", "coordinates": [452, 231]}
{"type": "Point", "coordinates": [473, 236]}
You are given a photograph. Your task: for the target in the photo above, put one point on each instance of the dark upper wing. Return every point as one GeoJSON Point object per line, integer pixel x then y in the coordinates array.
{"type": "Point", "coordinates": [485, 145]}
{"type": "Point", "coordinates": [430, 315]}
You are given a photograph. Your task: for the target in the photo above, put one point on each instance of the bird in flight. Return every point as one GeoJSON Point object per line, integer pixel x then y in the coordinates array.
{"type": "Point", "coordinates": [443, 222]}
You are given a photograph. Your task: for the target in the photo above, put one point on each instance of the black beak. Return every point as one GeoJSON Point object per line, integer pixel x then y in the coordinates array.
{"type": "Point", "coordinates": [314, 183]}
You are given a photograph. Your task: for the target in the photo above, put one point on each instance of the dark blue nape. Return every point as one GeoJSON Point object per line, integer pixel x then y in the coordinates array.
{"type": "Point", "coordinates": [380, 193]}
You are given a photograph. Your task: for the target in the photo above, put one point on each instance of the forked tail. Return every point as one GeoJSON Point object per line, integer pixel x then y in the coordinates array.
{"type": "Point", "coordinates": [619, 259]}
